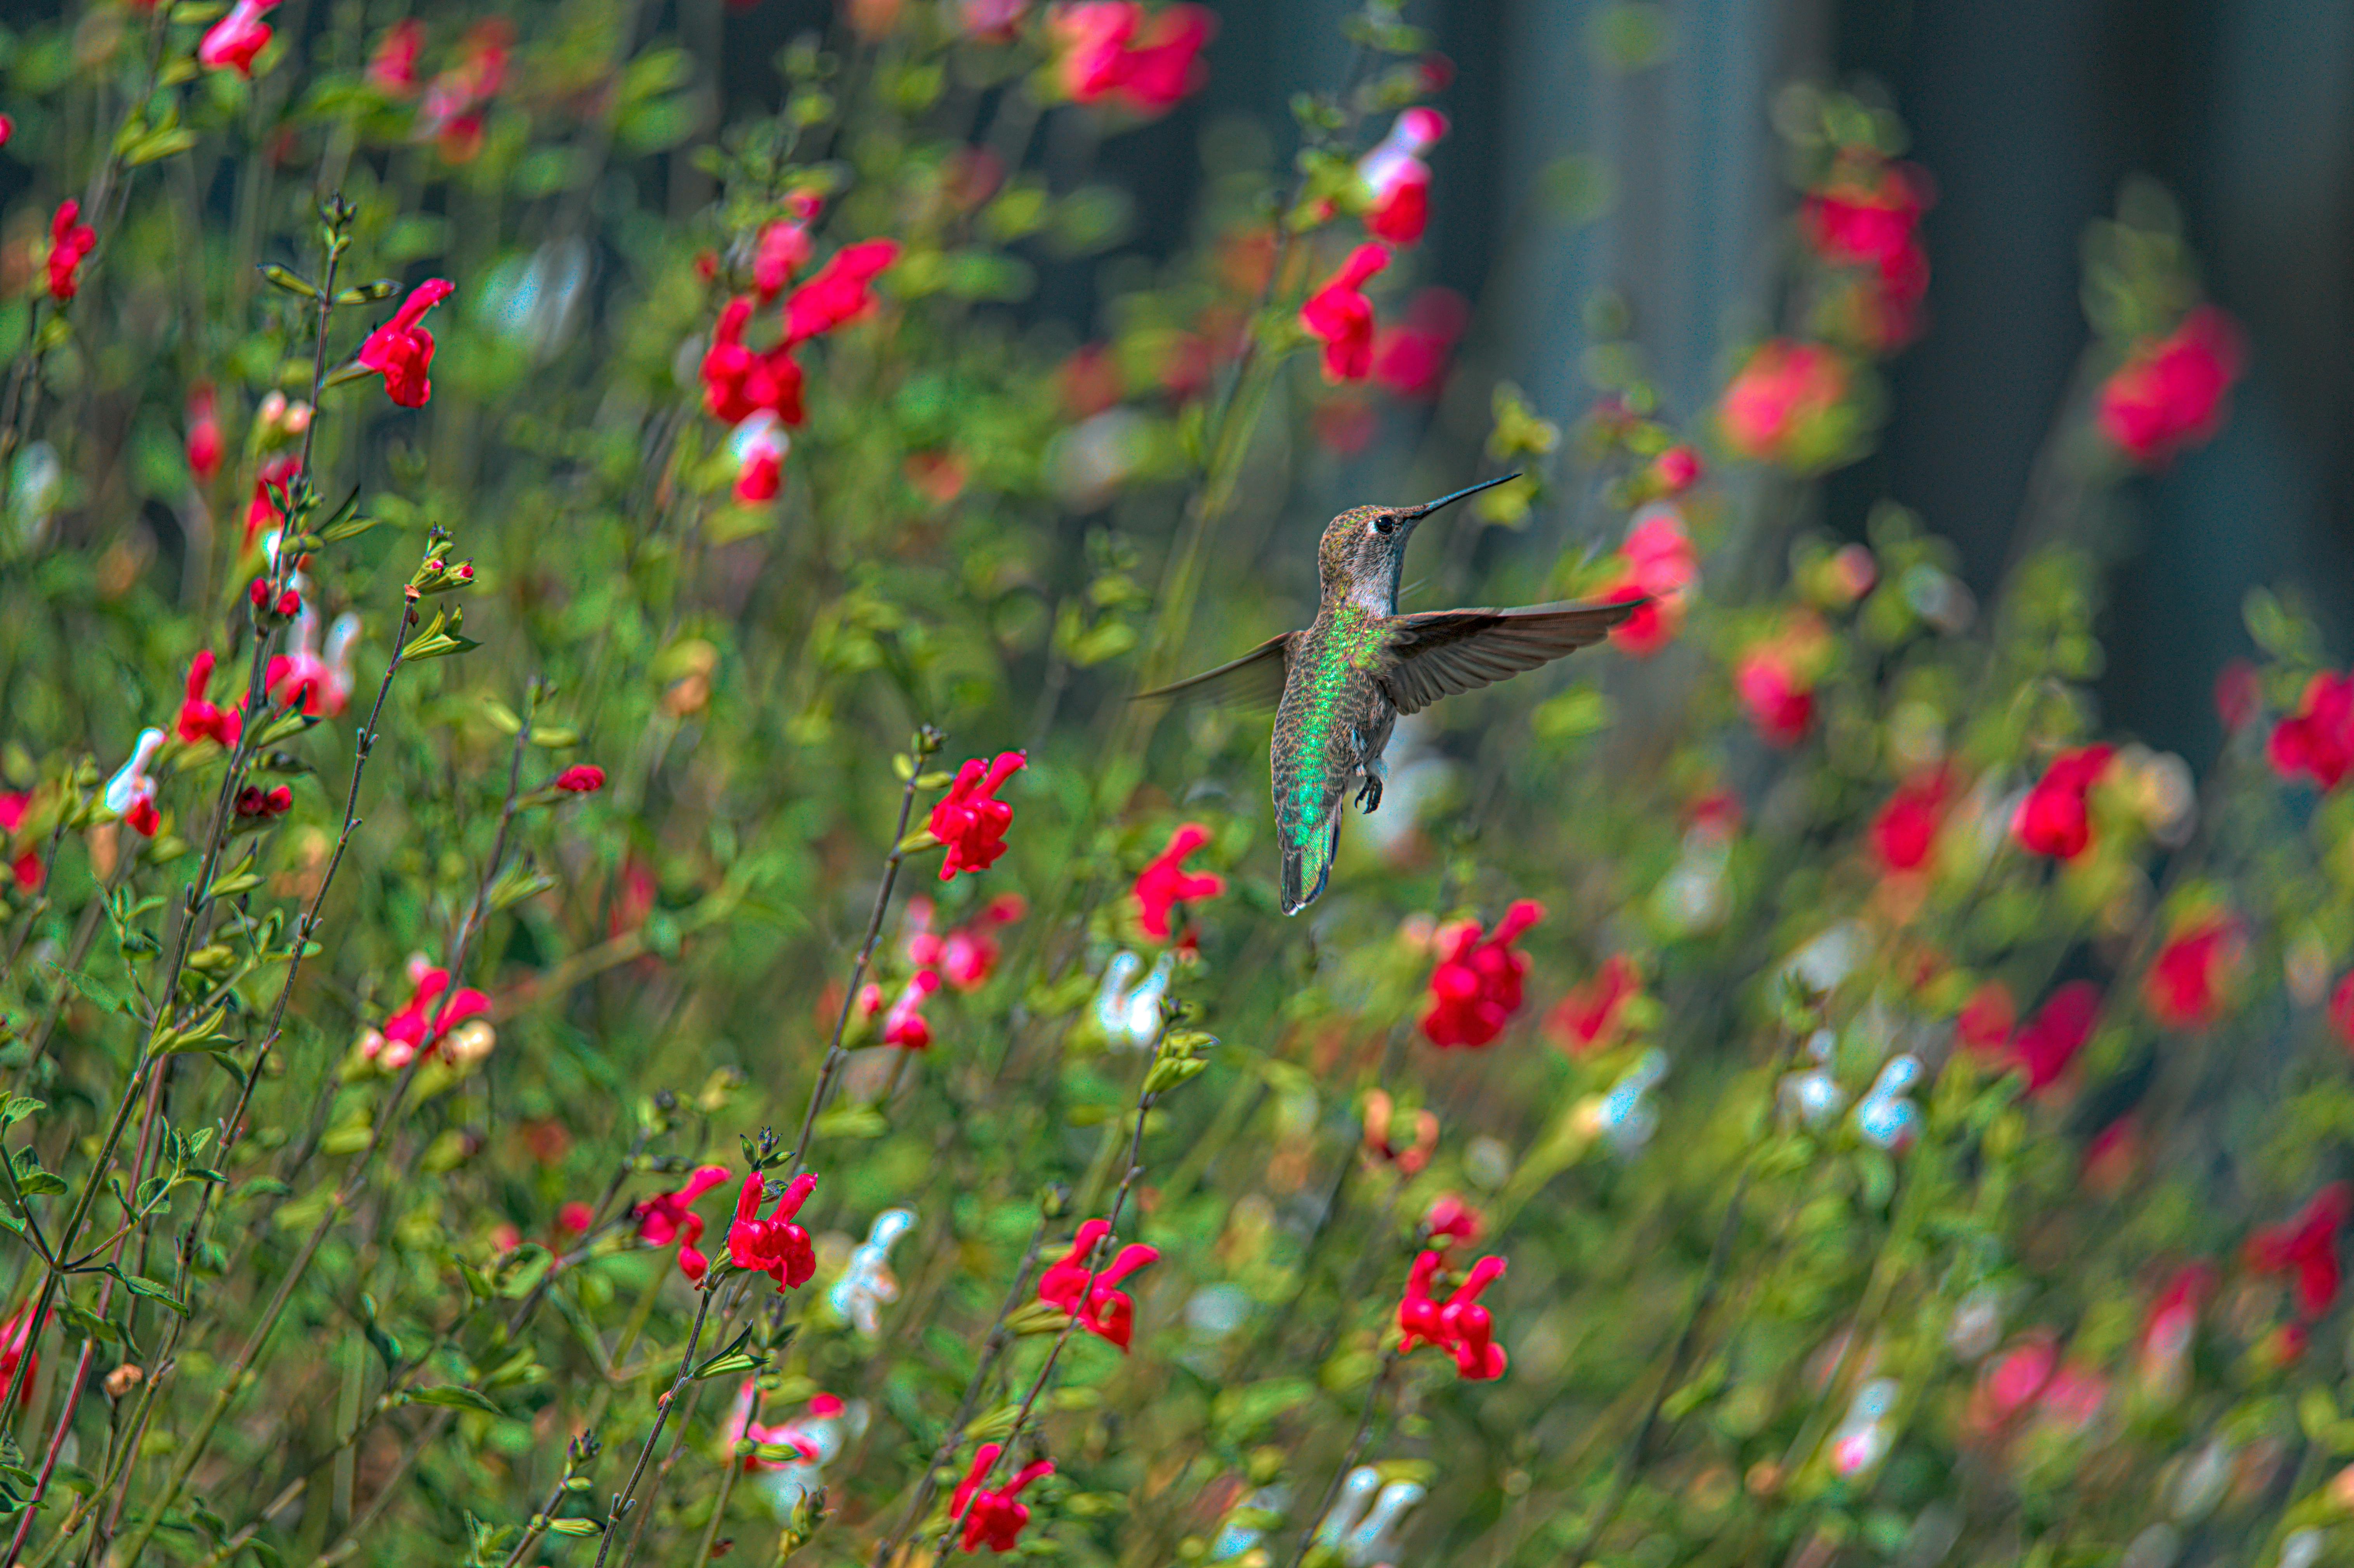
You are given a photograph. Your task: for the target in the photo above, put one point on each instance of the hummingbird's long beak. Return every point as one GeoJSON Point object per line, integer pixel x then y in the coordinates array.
{"type": "Point", "coordinates": [1415, 514]}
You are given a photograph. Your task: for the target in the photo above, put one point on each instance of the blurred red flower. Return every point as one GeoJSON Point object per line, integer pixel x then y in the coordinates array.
{"type": "Point", "coordinates": [401, 350]}
{"type": "Point", "coordinates": [1163, 884]}
{"type": "Point", "coordinates": [993, 1518]}
{"type": "Point", "coordinates": [1396, 181]}
{"type": "Point", "coordinates": [670, 1216]}
{"type": "Point", "coordinates": [1774, 406]}
{"type": "Point", "coordinates": [202, 719]}
{"type": "Point", "coordinates": [2170, 393]}
{"type": "Point", "coordinates": [1339, 315]}
{"type": "Point", "coordinates": [2060, 1028]}
{"type": "Point", "coordinates": [2053, 817]}
{"type": "Point", "coordinates": [231, 42]}
{"type": "Point", "coordinates": [1410, 359]}
{"type": "Point", "coordinates": [838, 292]}
{"type": "Point", "coordinates": [1092, 1296]}
{"type": "Point", "coordinates": [1592, 1016]}
{"type": "Point", "coordinates": [2306, 1248]}
{"type": "Point", "coordinates": [1476, 988]}
{"type": "Point", "coordinates": [1117, 51]}
{"type": "Point", "coordinates": [2317, 740]}
{"type": "Point", "coordinates": [1904, 832]}
{"type": "Point", "coordinates": [70, 241]}
{"type": "Point", "coordinates": [2189, 981]}
{"type": "Point", "coordinates": [1657, 563]}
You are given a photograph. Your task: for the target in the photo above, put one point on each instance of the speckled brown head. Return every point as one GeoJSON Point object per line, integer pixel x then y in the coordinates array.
{"type": "Point", "coordinates": [1363, 551]}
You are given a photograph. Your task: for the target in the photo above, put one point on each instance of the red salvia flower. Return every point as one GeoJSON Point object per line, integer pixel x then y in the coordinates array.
{"type": "Point", "coordinates": [581, 778]}
{"type": "Point", "coordinates": [402, 350]}
{"type": "Point", "coordinates": [2317, 740]}
{"type": "Point", "coordinates": [784, 247]}
{"type": "Point", "coordinates": [969, 954]}
{"type": "Point", "coordinates": [1163, 885]}
{"type": "Point", "coordinates": [1396, 181]}
{"type": "Point", "coordinates": [838, 292]}
{"type": "Point", "coordinates": [1476, 988]}
{"type": "Point", "coordinates": [1592, 1016]}
{"type": "Point", "coordinates": [2054, 818]}
{"type": "Point", "coordinates": [451, 113]}
{"type": "Point", "coordinates": [26, 869]}
{"type": "Point", "coordinates": [1451, 1219]}
{"type": "Point", "coordinates": [775, 1246]}
{"type": "Point", "coordinates": [1656, 564]}
{"type": "Point", "coordinates": [1115, 51]}
{"type": "Point", "coordinates": [255, 804]}
{"type": "Point", "coordinates": [318, 683]}
{"type": "Point", "coordinates": [392, 70]}
{"type": "Point", "coordinates": [1986, 1020]}
{"type": "Point", "coordinates": [1339, 315]}
{"type": "Point", "coordinates": [279, 472]}
{"type": "Point", "coordinates": [2173, 1320]}
{"type": "Point", "coordinates": [760, 444]}
{"type": "Point", "coordinates": [2171, 392]}
{"type": "Point", "coordinates": [1774, 407]}
{"type": "Point", "coordinates": [2060, 1028]}
{"type": "Point", "coordinates": [70, 241]}
{"type": "Point", "coordinates": [231, 42]}
{"type": "Point", "coordinates": [970, 819]}
{"type": "Point", "coordinates": [1779, 700]}
{"type": "Point", "coordinates": [2189, 981]}
{"type": "Point", "coordinates": [738, 383]}
{"type": "Point", "coordinates": [669, 1217]}
{"type": "Point", "coordinates": [16, 1346]}
{"type": "Point", "coordinates": [993, 1518]}
{"type": "Point", "coordinates": [1411, 358]}
{"type": "Point", "coordinates": [1460, 1325]}
{"type": "Point", "coordinates": [201, 719]}
{"type": "Point", "coordinates": [1903, 832]}
{"type": "Point", "coordinates": [905, 1025]}
{"type": "Point", "coordinates": [2306, 1248]}
{"type": "Point", "coordinates": [428, 1022]}
{"type": "Point", "coordinates": [1092, 1295]}
{"type": "Point", "coordinates": [204, 446]}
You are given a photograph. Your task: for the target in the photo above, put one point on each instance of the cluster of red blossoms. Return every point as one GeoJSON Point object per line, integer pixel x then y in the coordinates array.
{"type": "Point", "coordinates": [71, 243]}
{"type": "Point", "coordinates": [1779, 405]}
{"type": "Point", "coordinates": [1459, 1325]}
{"type": "Point", "coordinates": [2316, 741]}
{"type": "Point", "coordinates": [231, 42]}
{"type": "Point", "coordinates": [401, 350]}
{"type": "Point", "coordinates": [965, 957]}
{"type": "Point", "coordinates": [1091, 1295]}
{"type": "Point", "coordinates": [2046, 1044]}
{"type": "Point", "coordinates": [2172, 392]}
{"type": "Point", "coordinates": [1476, 987]}
{"type": "Point", "coordinates": [1656, 565]}
{"type": "Point", "coordinates": [2054, 818]}
{"type": "Point", "coordinates": [775, 1245]}
{"type": "Point", "coordinates": [1395, 184]}
{"type": "Point", "coordinates": [740, 383]}
{"type": "Point", "coordinates": [669, 1217]}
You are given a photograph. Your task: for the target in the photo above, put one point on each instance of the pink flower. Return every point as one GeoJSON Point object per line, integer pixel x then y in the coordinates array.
{"type": "Point", "coordinates": [1904, 832]}
{"type": "Point", "coordinates": [2306, 1247]}
{"type": "Point", "coordinates": [1777, 408]}
{"type": "Point", "coordinates": [451, 113]}
{"type": "Point", "coordinates": [1163, 885]}
{"type": "Point", "coordinates": [1460, 1325]}
{"type": "Point", "coordinates": [905, 1025]}
{"type": "Point", "coordinates": [2317, 740]}
{"type": "Point", "coordinates": [838, 292]}
{"type": "Point", "coordinates": [993, 1518]}
{"type": "Point", "coordinates": [1411, 358]}
{"type": "Point", "coordinates": [1115, 51]}
{"type": "Point", "coordinates": [1675, 471]}
{"type": "Point", "coordinates": [130, 794]}
{"type": "Point", "coordinates": [1780, 702]}
{"type": "Point", "coordinates": [2189, 981]}
{"type": "Point", "coordinates": [428, 1023]}
{"type": "Point", "coordinates": [581, 778]}
{"type": "Point", "coordinates": [970, 819]}
{"type": "Point", "coordinates": [392, 70]}
{"type": "Point", "coordinates": [402, 350]}
{"type": "Point", "coordinates": [204, 446]}
{"type": "Point", "coordinates": [1091, 1295]}
{"type": "Point", "coordinates": [201, 719]}
{"type": "Point", "coordinates": [1657, 563]}
{"type": "Point", "coordinates": [2172, 1322]}
{"type": "Point", "coordinates": [320, 685]}
{"type": "Point", "coordinates": [70, 241]}
{"type": "Point", "coordinates": [2171, 392]}
{"type": "Point", "coordinates": [2054, 818]}
{"type": "Point", "coordinates": [1592, 1016]}
{"type": "Point", "coordinates": [670, 1216]}
{"type": "Point", "coordinates": [2341, 1008]}
{"type": "Point", "coordinates": [1339, 315]}
{"type": "Point", "coordinates": [231, 42]}
{"type": "Point", "coordinates": [1451, 1219]}
{"type": "Point", "coordinates": [784, 247]}
{"type": "Point", "coordinates": [775, 1245]}
{"type": "Point", "coordinates": [738, 383]}
{"type": "Point", "coordinates": [1867, 218]}
{"type": "Point", "coordinates": [1396, 181]}
{"type": "Point", "coordinates": [575, 1218]}
{"type": "Point", "coordinates": [2009, 1382]}
{"type": "Point", "coordinates": [255, 804]}
{"type": "Point", "coordinates": [7, 129]}
{"type": "Point", "coordinates": [1476, 988]}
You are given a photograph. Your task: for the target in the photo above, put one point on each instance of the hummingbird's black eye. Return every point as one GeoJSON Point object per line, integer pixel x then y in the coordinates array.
{"type": "Point", "coordinates": [1383, 523]}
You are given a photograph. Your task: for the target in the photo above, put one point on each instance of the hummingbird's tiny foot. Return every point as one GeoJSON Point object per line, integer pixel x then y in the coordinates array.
{"type": "Point", "coordinates": [1369, 798]}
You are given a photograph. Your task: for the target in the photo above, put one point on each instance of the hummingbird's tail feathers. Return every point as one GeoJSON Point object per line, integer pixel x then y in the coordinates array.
{"type": "Point", "coordinates": [1436, 654]}
{"type": "Point", "coordinates": [1311, 859]}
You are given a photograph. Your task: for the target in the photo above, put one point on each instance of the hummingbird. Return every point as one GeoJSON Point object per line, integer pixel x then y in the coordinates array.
{"type": "Point", "coordinates": [1339, 686]}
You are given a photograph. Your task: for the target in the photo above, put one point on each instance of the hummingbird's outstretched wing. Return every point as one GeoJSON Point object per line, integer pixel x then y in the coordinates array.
{"type": "Point", "coordinates": [1254, 681]}
{"type": "Point", "coordinates": [1436, 654]}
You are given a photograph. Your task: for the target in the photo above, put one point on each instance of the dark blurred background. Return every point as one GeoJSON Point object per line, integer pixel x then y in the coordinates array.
{"type": "Point", "coordinates": [2029, 114]}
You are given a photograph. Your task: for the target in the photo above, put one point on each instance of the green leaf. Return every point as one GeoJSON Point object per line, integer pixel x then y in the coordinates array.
{"type": "Point", "coordinates": [455, 1397]}
{"type": "Point", "coordinates": [579, 1526]}
{"type": "Point", "coordinates": [154, 1290]}
{"type": "Point", "coordinates": [292, 282]}
{"type": "Point", "coordinates": [96, 991]}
